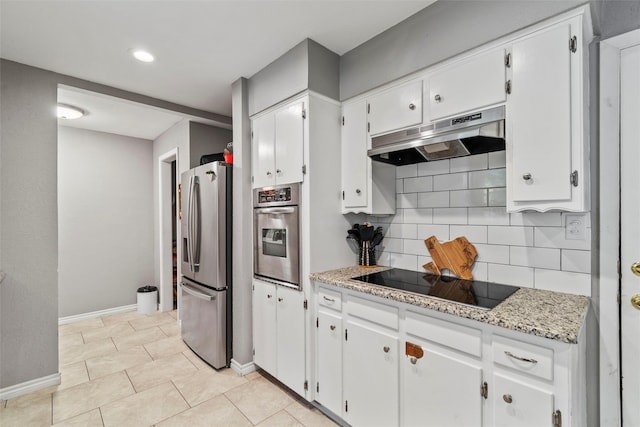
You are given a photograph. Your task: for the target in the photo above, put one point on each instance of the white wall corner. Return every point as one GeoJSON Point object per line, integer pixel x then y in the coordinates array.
{"type": "Point", "coordinates": [243, 370]}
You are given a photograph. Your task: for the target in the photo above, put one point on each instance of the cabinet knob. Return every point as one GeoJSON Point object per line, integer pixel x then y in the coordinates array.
{"type": "Point", "coordinates": [268, 173]}
{"type": "Point", "coordinates": [507, 398]}
{"type": "Point", "coordinates": [413, 360]}
{"type": "Point", "coordinates": [278, 171]}
{"type": "Point", "coordinates": [412, 107]}
{"type": "Point", "coordinates": [437, 98]}
{"type": "Point", "coordinates": [526, 176]}
{"type": "Point", "coordinates": [269, 295]}
{"type": "Point", "coordinates": [279, 299]}
{"type": "Point", "coordinates": [386, 349]}
{"type": "Point", "coordinates": [358, 191]}
{"type": "Point", "coordinates": [332, 327]}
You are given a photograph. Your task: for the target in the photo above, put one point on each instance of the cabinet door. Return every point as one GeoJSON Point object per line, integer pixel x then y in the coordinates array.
{"type": "Point", "coordinates": [440, 390]}
{"type": "Point", "coordinates": [475, 83]}
{"type": "Point", "coordinates": [289, 155]}
{"type": "Point", "coordinates": [264, 326]}
{"type": "Point", "coordinates": [290, 339]}
{"type": "Point", "coordinates": [370, 376]}
{"type": "Point", "coordinates": [355, 162]}
{"type": "Point", "coordinates": [262, 152]}
{"type": "Point", "coordinates": [396, 108]}
{"type": "Point", "coordinates": [539, 117]}
{"type": "Point", "coordinates": [518, 404]}
{"type": "Point", "coordinates": [329, 361]}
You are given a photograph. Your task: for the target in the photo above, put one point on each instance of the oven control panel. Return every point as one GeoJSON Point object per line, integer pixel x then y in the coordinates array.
{"type": "Point", "coordinates": [275, 195]}
{"type": "Point", "coordinates": [281, 195]}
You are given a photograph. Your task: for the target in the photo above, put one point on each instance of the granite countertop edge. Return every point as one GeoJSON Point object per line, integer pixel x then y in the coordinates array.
{"type": "Point", "coordinates": [554, 315]}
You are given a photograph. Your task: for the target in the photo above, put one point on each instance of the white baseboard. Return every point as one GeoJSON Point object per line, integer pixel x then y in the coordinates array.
{"type": "Point", "coordinates": [93, 314]}
{"type": "Point", "coordinates": [29, 386]}
{"type": "Point", "coordinates": [243, 369]}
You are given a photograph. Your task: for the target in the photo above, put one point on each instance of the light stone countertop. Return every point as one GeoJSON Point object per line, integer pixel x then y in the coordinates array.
{"type": "Point", "coordinates": [554, 315]}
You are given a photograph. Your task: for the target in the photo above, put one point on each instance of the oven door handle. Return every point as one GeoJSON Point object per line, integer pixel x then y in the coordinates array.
{"type": "Point", "coordinates": [197, 294]}
{"type": "Point", "coordinates": [268, 211]}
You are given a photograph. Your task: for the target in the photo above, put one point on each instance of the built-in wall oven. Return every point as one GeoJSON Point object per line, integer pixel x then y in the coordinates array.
{"type": "Point", "coordinates": [277, 234]}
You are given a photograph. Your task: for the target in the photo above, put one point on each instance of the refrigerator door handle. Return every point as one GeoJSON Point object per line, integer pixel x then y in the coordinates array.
{"type": "Point", "coordinates": [196, 219]}
{"type": "Point", "coordinates": [189, 195]}
{"type": "Point", "coordinates": [197, 294]}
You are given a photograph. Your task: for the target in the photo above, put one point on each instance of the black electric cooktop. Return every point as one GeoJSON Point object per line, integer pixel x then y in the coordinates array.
{"type": "Point", "coordinates": [483, 295]}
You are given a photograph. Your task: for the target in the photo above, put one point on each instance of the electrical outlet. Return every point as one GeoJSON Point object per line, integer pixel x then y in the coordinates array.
{"type": "Point", "coordinates": [575, 227]}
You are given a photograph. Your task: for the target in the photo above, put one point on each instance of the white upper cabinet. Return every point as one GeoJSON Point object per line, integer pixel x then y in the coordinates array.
{"type": "Point", "coordinates": [467, 85]}
{"type": "Point", "coordinates": [546, 146]}
{"type": "Point", "coordinates": [367, 186]}
{"type": "Point", "coordinates": [395, 108]}
{"type": "Point", "coordinates": [278, 146]}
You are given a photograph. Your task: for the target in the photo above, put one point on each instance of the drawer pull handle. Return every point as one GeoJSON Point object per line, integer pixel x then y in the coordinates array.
{"type": "Point", "coordinates": [523, 359]}
{"type": "Point", "coordinates": [413, 360]}
{"type": "Point", "coordinates": [269, 295]}
{"type": "Point", "coordinates": [507, 398]}
{"type": "Point", "coordinates": [279, 299]}
{"type": "Point", "coordinates": [332, 327]}
{"type": "Point", "coordinates": [386, 349]}
{"type": "Point", "coordinates": [328, 299]}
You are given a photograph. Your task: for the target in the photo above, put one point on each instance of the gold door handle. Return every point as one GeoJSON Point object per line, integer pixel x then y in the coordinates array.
{"type": "Point", "coordinates": [635, 268]}
{"type": "Point", "coordinates": [635, 301]}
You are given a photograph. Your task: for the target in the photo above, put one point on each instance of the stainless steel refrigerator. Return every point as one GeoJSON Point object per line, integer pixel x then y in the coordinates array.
{"type": "Point", "coordinates": [206, 261]}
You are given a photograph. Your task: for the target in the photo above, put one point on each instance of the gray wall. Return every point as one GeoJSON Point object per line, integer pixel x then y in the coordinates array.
{"type": "Point", "coordinates": [205, 139]}
{"type": "Point", "coordinates": [619, 16]}
{"type": "Point", "coordinates": [29, 215]}
{"type": "Point", "coordinates": [438, 32]}
{"type": "Point", "coordinates": [308, 65]}
{"type": "Point", "coordinates": [105, 210]}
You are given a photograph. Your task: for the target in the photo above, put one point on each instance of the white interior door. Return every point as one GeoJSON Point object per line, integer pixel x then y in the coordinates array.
{"type": "Point", "coordinates": [630, 231]}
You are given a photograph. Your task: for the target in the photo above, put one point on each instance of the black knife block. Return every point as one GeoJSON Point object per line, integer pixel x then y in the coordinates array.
{"type": "Point", "coordinates": [367, 254]}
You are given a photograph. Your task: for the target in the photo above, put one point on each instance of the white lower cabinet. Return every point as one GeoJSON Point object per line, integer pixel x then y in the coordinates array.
{"type": "Point", "coordinates": [370, 375]}
{"type": "Point", "coordinates": [329, 360]}
{"type": "Point", "coordinates": [518, 403]}
{"type": "Point", "coordinates": [279, 333]}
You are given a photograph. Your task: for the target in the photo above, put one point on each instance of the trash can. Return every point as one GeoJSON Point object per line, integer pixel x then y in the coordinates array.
{"type": "Point", "coordinates": [147, 299]}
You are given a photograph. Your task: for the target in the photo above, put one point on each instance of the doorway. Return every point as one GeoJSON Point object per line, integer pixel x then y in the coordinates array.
{"type": "Point", "coordinates": [169, 231]}
{"type": "Point", "coordinates": [619, 246]}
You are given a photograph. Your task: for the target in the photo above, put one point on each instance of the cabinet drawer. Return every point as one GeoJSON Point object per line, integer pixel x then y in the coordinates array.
{"type": "Point", "coordinates": [373, 312]}
{"type": "Point", "coordinates": [329, 298]}
{"type": "Point", "coordinates": [523, 357]}
{"type": "Point", "coordinates": [462, 338]}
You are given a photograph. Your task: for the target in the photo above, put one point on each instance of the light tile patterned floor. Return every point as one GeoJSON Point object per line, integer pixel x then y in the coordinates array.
{"type": "Point", "coordinates": [130, 369]}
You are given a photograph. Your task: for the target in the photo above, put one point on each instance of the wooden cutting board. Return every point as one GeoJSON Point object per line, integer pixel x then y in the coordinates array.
{"type": "Point", "coordinates": [457, 255]}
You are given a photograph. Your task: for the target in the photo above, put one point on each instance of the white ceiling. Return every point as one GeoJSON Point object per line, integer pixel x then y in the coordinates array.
{"type": "Point", "coordinates": [201, 46]}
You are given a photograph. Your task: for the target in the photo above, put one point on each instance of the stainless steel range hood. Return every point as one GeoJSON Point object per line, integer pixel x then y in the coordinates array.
{"type": "Point", "coordinates": [476, 133]}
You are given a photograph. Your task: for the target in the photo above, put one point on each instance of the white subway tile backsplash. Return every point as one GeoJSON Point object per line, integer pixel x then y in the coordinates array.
{"type": "Point", "coordinates": [497, 197]}
{"type": "Point", "coordinates": [473, 233]}
{"type": "Point", "coordinates": [469, 163]}
{"type": "Point", "coordinates": [419, 184]}
{"type": "Point", "coordinates": [505, 235]}
{"type": "Point", "coordinates": [391, 244]}
{"type": "Point", "coordinates": [418, 216]}
{"type": "Point", "coordinates": [454, 181]}
{"type": "Point", "coordinates": [406, 171]}
{"type": "Point", "coordinates": [488, 178]}
{"type": "Point", "coordinates": [576, 261]}
{"type": "Point", "coordinates": [493, 254]}
{"type": "Point", "coordinates": [440, 231]}
{"type": "Point", "coordinates": [554, 237]}
{"type": "Point", "coordinates": [511, 275]}
{"type": "Point", "coordinates": [399, 186]}
{"type": "Point", "coordinates": [537, 219]}
{"type": "Point", "coordinates": [468, 198]}
{"type": "Point", "coordinates": [535, 257]}
{"type": "Point", "coordinates": [415, 247]}
{"type": "Point", "coordinates": [438, 167]}
{"type": "Point", "coordinates": [403, 231]}
{"type": "Point", "coordinates": [409, 200]}
{"type": "Point", "coordinates": [563, 281]}
{"type": "Point", "coordinates": [450, 215]}
{"type": "Point", "coordinates": [383, 258]}
{"type": "Point", "coordinates": [422, 260]}
{"type": "Point", "coordinates": [488, 216]}
{"type": "Point", "coordinates": [438, 199]}
{"type": "Point", "coordinates": [480, 271]}
{"type": "Point", "coordinates": [497, 159]}
{"type": "Point", "coordinates": [407, 262]}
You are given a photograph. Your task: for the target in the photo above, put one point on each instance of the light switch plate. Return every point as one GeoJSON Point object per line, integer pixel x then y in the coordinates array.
{"type": "Point", "coordinates": [575, 226]}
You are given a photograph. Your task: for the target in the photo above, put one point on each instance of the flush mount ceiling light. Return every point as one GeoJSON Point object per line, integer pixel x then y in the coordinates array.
{"type": "Point", "coordinates": [69, 112]}
{"type": "Point", "coordinates": [142, 55]}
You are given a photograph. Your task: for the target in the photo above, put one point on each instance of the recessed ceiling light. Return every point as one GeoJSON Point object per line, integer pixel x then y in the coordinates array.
{"type": "Point", "coordinates": [69, 112]}
{"type": "Point", "coordinates": [142, 55]}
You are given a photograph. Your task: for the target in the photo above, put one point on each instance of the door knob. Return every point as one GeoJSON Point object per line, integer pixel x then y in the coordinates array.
{"type": "Point", "coordinates": [635, 301]}
{"type": "Point", "coordinates": [635, 268]}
